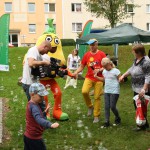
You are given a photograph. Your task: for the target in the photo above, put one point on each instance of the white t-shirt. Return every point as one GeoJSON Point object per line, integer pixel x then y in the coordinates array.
{"type": "Point", "coordinates": [46, 57]}
{"type": "Point", "coordinates": [27, 78]}
{"type": "Point", "coordinates": [111, 81]}
{"type": "Point", "coordinates": [74, 62]}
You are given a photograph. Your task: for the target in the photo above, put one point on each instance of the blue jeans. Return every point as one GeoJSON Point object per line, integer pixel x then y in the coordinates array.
{"type": "Point", "coordinates": [110, 103]}
{"type": "Point", "coordinates": [26, 90]}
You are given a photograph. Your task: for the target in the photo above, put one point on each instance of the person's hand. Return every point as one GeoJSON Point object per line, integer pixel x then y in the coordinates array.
{"type": "Point", "coordinates": [121, 79]}
{"type": "Point", "coordinates": [47, 108]}
{"type": "Point", "coordinates": [55, 125]}
{"type": "Point", "coordinates": [95, 75]}
{"type": "Point", "coordinates": [142, 93]}
{"type": "Point", "coordinates": [75, 75]}
{"type": "Point", "coordinates": [96, 71]}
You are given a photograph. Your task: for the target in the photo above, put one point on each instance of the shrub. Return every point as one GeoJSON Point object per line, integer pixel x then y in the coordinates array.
{"type": "Point", "coordinates": [68, 42]}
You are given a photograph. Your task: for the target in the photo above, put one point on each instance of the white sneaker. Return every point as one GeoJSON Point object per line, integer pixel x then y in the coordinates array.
{"type": "Point", "coordinates": [96, 119]}
{"type": "Point", "coordinates": [75, 86]}
{"type": "Point", "coordinates": [66, 86]}
{"type": "Point", "coordinates": [90, 111]}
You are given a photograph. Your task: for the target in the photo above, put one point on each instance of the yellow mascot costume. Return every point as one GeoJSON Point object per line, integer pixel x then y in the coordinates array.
{"type": "Point", "coordinates": [50, 36]}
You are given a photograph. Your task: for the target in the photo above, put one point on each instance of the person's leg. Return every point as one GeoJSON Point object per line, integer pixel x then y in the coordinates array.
{"type": "Point", "coordinates": [26, 143]}
{"type": "Point", "coordinates": [134, 103]}
{"type": "Point", "coordinates": [26, 90]}
{"type": "Point", "coordinates": [107, 106]}
{"type": "Point", "coordinates": [98, 87]}
{"type": "Point", "coordinates": [57, 111]}
{"type": "Point", "coordinates": [113, 103]}
{"type": "Point", "coordinates": [30, 144]}
{"type": "Point", "coordinates": [67, 82]}
{"type": "Point", "coordinates": [75, 80]}
{"type": "Point", "coordinates": [85, 92]}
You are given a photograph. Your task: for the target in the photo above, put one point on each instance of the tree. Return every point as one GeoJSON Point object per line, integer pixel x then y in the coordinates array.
{"type": "Point", "coordinates": [112, 10]}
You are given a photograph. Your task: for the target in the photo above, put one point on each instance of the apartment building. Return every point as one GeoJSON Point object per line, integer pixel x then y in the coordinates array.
{"type": "Point", "coordinates": [28, 18]}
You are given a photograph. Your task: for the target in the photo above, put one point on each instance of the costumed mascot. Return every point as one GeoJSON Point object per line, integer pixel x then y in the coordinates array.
{"type": "Point", "coordinates": [57, 59]}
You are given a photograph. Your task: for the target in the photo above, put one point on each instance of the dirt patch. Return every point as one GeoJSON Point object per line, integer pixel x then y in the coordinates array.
{"type": "Point", "coordinates": [5, 109]}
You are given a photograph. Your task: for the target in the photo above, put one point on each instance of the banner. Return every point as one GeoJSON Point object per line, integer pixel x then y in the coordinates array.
{"type": "Point", "coordinates": [86, 30]}
{"type": "Point", "coordinates": [4, 36]}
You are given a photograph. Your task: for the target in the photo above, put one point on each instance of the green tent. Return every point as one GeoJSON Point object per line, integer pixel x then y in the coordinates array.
{"type": "Point", "coordinates": [121, 34]}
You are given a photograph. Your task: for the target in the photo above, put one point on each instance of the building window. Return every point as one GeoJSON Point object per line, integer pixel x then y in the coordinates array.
{"type": "Point", "coordinates": [76, 7]}
{"type": "Point", "coordinates": [47, 26]}
{"type": "Point", "coordinates": [148, 8]}
{"type": "Point", "coordinates": [8, 7]}
{"type": "Point", "coordinates": [76, 27]}
{"type": "Point", "coordinates": [148, 27]}
{"type": "Point", "coordinates": [129, 8]}
{"type": "Point", "coordinates": [31, 7]}
{"type": "Point", "coordinates": [49, 7]}
{"type": "Point", "coordinates": [32, 28]}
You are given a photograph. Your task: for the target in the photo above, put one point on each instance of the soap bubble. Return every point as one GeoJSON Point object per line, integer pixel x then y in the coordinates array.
{"type": "Point", "coordinates": [19, 58]}
{"type": "Point", "coordinates": [1, 88]}
{"type": "Point", "coordinates": [15, 98]}
{"type": "Point", "coordinates": [14, 67]}
{"type": "Point", "coordinates": [11, 92]}
{"type": "Point", "coordinates": [80, 123]}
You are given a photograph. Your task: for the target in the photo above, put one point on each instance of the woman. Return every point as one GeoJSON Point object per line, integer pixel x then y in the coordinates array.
{"type": "Point", "coordinates": [140, 76]}
{"type": "Point", "coordinates": [72, 64]}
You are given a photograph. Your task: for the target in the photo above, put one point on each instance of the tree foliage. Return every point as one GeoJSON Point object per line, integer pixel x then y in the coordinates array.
{"type": "Point", "coordinates": [112, 10]}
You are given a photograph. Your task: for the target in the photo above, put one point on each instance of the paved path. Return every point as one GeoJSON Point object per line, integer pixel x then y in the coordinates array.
{"type": "Point", "coordinates": [1, 127]}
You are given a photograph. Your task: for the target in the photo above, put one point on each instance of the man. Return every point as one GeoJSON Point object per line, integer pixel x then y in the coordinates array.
{"type": "Point", "coordinates": [33, 58]}
{"type": "Point", "coordinates": [92, 59]}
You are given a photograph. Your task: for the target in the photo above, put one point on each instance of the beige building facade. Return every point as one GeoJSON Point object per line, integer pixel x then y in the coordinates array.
{"type": "Point", "coordinates": [28, 18]}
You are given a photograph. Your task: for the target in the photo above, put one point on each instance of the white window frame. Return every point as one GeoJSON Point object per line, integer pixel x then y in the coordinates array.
{"type": "Point", "coordinates": [30, 28]}
{"type": "Point", "coordinates": [10, 5]}
{"type": "Point", "coordinates": [75, 7]}
{"type": "Point", "coordinates": [74, 27]}
{"type": "Point", "coordinates": [147, 8]}
{"type": "Point", "coordinates": [47, 7]}
{"type": "Point", "coordinates": [33, 7]}
{"type": "Point", "coordinates": [128, 9]}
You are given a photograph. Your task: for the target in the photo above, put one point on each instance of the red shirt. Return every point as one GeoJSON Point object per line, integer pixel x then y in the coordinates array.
{"type": "Point", "coordinates": [93, 61]}
{"type": "Point", "coordinates": [35, 121]}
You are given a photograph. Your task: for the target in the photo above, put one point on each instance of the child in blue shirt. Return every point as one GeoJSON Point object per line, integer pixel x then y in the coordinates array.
{"type": "Point", "coordinates": [111, 90]}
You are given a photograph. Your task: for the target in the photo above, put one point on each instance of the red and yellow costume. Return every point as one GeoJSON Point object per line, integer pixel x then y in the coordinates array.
{"type": "Point", "coordinates": [51, 82]}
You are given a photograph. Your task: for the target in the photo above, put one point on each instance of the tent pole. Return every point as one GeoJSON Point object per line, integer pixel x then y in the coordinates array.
{"type": "Point", "coordinates": [115, 46]}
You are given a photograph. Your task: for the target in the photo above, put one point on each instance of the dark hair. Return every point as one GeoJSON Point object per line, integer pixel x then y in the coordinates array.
{"type": "Point", "coordinates": [139, 49]}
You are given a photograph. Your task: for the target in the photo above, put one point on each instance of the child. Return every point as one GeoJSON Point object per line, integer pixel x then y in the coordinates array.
{"type": "Point", "coordinates": [111, 90]}
{"type": "Point", "coordinates": [72, 64]}
{"type": "Point", "coordinates": [35, 120]}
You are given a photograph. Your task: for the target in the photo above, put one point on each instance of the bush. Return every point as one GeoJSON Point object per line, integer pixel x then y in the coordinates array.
{"type": "Point", "coordinates": [68, 42]}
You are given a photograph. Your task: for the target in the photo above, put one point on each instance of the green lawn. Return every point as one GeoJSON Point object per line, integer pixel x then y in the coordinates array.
{"type": "Point", "coordinates": [79, 132]}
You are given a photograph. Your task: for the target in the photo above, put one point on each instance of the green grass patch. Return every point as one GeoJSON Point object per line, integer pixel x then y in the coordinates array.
{"type": "Point", "coordinates": [79, 132]}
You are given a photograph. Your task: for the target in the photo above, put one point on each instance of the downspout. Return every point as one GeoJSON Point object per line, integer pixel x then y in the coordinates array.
{"type": "Point", "coordinates": [63, 19]}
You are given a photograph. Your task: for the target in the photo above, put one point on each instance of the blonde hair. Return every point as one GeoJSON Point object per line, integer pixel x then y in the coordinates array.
{"type": "Point", "coordinates": [106, 61]}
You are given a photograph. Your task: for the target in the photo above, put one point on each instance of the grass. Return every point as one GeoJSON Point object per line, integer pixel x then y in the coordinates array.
{"type": "Point", "coordinates": [78, 133]}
